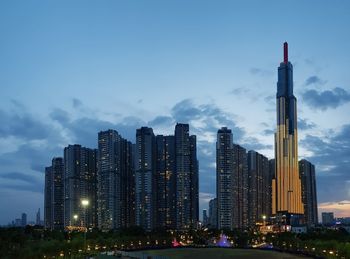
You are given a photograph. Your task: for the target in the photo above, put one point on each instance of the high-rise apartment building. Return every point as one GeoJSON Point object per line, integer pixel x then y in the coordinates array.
{"type": "Point", "coordinates": [166, 182]}
{"type": "Point", "coordinates": [145, 178]}
{"type": "Point", "coordinates": [286, 185]}
{"type": "Point", "coordinates": [240, 187]}
{"type": "Point", "coordinates": [187, 208]}
{"type": "Point", "coordinates": [259, 188]}
{"type": "Point", "coordinates": [115, 193]}
{"type": "Point", "coordinates": [308, 192]}
{"type": "Point", "coordinates": [54, 199]}
{"type": "Point", "coordinates": [231, 182]}
{"type": "Point", "coordinates": [80, 184]}
{"type": "Point", "coordinates": [224, 178]}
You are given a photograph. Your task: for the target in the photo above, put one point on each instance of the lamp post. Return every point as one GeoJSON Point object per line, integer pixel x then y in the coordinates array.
{"type": "Point", "coordinates": [85, 204]}
{"type": "Point", "coordinates": [264, 220]}
{"type": "Point", "coordinates": [75, 217]}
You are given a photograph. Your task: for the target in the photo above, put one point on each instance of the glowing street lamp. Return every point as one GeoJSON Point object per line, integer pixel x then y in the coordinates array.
{"type": "Point", "coordinates": [264, 219]}
{"type": "Point", "coordinates": [85, 202]}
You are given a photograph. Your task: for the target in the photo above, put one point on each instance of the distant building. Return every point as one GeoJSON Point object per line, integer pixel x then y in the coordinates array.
{"type": "Point", "coordinates": [145, 178]}
{"type": "Point", "coordinates": [327, 218]}
{"type": "Point", "coordinates": [24, 220]}
{"type": "Point", "coordinates": [259, 188]}
{"type": "Point", "coordinates": [187, 207]}
{"type": "Point", "coordinates": [205, 217]}
{"type": "Point", "coordinates": [213, 213]}
{"type": "Point", "coordinates": [18, 222]}
{"type": "Point", "coordinates": [80, 184]}
{"type": "Point", "coordinates": [308, 192]}
{"type": "Point", "coordinates": [38, 219]}
{"type": "Point", "coordinates": [54, 195]}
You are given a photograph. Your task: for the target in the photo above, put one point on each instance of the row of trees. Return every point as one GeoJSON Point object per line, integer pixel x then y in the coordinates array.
{"type": "Point", "coordinates": [322, 242]}
{"type": "Point", "coordinates": [35, 242]}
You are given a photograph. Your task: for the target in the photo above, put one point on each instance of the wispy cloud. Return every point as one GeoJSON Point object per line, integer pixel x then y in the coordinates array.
{"type": "Point", "coordinates": [323, 100]}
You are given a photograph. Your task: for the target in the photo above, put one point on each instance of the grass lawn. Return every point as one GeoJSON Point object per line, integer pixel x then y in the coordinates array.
{"type": "Point", "coordinates": [219, 253]}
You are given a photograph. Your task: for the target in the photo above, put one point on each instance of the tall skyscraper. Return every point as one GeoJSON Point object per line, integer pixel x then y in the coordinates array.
{"type": "Point", "coordinates": [286, 185]}
{"type": "Point", "coordinates": [224, 178]}
{"type": "Point", "coordinates": [114, 181]}
{"type": "Point", "coordinates": [187, 211]}
{"type": "Point", "coordinates": [166, 182]}
{"type": "Point", "coordinates": [308, 191]}
{"type": "Point", "coordinates": [145, 178]}
{"type": "Point", "coordinates": [54, 195]}
{"type": "Point", "coordinates": [240, 187]}
{"type": "Point", "coordinates": [213, 213]}
{"type": "Point", "coordinates": [259, 188]}
{"type": "Point", "coordinates": [80, 184]}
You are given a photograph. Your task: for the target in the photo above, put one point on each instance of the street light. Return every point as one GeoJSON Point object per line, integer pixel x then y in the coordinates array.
{"type": "Point", "coordinates": [264, 219]}
{"type": "Point", "coordinates": [85, 204]}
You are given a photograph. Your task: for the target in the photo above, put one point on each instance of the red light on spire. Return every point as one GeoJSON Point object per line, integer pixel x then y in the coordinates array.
{"type": "Point", "coordinates": [285, 48]}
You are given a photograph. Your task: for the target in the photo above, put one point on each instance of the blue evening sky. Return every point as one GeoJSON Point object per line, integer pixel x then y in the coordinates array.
{"type": "Point", "coordinates": [69, 69]}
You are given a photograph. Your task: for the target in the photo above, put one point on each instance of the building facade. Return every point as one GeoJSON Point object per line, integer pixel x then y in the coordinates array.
{"type": "Point", "coordinates": [259, 188]}
{"type": "Point", "coordinates": [213, 213]}
{"type": "Point", "coordinates": [286, 184]}
{"type": "Point", "coordinates": [327, 218]}
{"type": "Point", "coordinates": [308, 192]}
{"type": "Point", "coordinates": [80, 183]}
{"type": "Point", "coordinates": [145, 178]}
{"type": "Point", "coordinates": [186, 163]}
{"type": "Point", "coordinates": [240, 187]}
{"type": "Point", "coordinates": [54, 195]}
{"type": "Point", "coordinates": [115, 181]}
{"type": "Point", "coordinates": [224, 178]}
{"type": "Point", "coordinates": [166, 182]}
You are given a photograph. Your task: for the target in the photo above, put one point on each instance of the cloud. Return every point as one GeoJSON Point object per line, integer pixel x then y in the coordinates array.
{"type": "Point", "coordinates": [304, 124]}
{"type": "Point", "coordinates": [314, 80]}
{"type": "Point", "coordinates": [161, 120]}
{"type": "Point", "coordinates": [261, 72]}
{"type": "Point", "coordinates": [240, 91]}
{"type": "Point", "coordinates": [340, 208]}
{"type": "Point", "coordinates": [268, 132]}
{"type": "Point", "coordinates": [22, 125]}
{"type": "Point", "coordinates": [251, 143]}
{"type": "Point", "coordinates": [60, 116]}
{"type": "Point", "coordinates": [17, 180]}
{"type": "Point", "coordinates": [324, 100]}
{"type": "Point", "coordinates": [76, 103]}
{"type": "Point", "coordinates": [330, 154]}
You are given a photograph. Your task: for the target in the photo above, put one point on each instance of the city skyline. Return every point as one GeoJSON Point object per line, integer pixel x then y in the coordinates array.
{"type": "Point", "coordinates": [66, 79]}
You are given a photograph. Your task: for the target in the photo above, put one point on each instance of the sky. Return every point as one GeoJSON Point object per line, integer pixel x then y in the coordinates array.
{"type": "Point", "coordinates": [69, 69]}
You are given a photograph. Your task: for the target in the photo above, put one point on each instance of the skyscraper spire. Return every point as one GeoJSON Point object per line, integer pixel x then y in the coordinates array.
{"type": "Point", "coordinates": [285, 48]}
